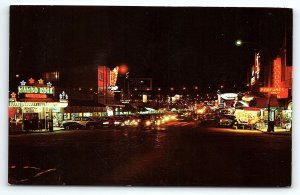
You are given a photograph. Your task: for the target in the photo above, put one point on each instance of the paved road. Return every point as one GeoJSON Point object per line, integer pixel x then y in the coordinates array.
{"type": "Point", "coordinates": [180, 154]}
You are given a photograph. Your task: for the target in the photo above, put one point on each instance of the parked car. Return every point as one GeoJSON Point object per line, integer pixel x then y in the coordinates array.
{"type": "Point", "coordinates": [227, 120]}
{"type": "Point", "coordinates": [71, 125]}
{"type": "Point", "coordinates": [87, 122]}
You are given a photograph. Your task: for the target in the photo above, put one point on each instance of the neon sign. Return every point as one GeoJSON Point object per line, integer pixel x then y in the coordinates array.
{"type": "Point", "coordinates": [277, 73]}
{"type": "Point", "coordinates": [36, 90]}
{"type": "Point", "coordinates": [255, 71]}
{"type": "Point", "coordinates": [277, 88]}
{"type": "Point", "coordinates": [272, 90]}
{"type": "Point", "coordinates": [113, 88]}
{"type": "Point", "coordinates": [34, 95]}
{"type": "Point", "coordinates": [114, 75]}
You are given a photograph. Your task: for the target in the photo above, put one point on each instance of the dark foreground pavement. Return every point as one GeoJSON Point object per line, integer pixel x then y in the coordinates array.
{"type": "Point", "coordinates": [178, 155]}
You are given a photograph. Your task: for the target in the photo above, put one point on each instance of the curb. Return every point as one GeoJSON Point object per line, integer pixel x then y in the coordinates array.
{"type": "Point", "coordinates": [31, 132]}
{"type": "Point", "coordinates": [287, 133]}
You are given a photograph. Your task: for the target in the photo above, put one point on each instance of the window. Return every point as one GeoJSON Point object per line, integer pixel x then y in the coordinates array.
{"type": "Point", "coordinates": [101, 76]}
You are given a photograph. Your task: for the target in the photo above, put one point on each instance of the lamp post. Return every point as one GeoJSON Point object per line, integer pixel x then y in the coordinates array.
{"type": "Point", "coordinates": [128, 85]}
{"type": "Point", "coordinates": [239, 43]}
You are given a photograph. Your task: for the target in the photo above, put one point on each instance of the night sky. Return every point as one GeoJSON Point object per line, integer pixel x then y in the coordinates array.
{"type": "Point", "coordinates": [180, 46]}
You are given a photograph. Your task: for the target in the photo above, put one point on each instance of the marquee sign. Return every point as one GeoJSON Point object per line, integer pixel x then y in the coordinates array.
{"type": "Point", "coordinates": [36, 90]}
{"type": "Point", "coordinates": [38, 104]}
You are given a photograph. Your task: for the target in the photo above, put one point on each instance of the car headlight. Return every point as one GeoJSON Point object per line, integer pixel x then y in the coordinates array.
{"type": "Point", "coordinates": [148, 123]}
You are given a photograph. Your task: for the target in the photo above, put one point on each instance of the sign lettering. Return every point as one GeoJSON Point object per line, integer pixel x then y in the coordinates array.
{"type": "Point", "coordinates": [35, 90]}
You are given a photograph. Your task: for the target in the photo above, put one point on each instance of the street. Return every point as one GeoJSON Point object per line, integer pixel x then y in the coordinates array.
{"type": "Point", "coordinates": [178, 154]}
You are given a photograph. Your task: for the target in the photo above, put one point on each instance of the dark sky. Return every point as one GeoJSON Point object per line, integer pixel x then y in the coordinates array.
{"type": "Point", "coordinates": [175, 46]}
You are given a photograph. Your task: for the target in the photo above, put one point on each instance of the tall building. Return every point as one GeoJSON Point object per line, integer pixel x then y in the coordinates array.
{"type": "Point", "coordinates": [107, 85]}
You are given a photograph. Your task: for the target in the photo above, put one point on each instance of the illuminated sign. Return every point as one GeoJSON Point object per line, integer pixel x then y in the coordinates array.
{"type": "Point", "coordinates": [247, 99]}
{"type": "Point", "coordinates": [252, 76]}
{"type": "Point", "coordinates": [277, 88]}
{"type": "Point", "coordinates": [114, 75]}
{"type": "Point", "coordinates": [283, 94]}
{"type": "Point", "coordinates": [272, 90]}
{"type": "Point", "coordinates": [36, 95]}
{"type": "Point", "coordinates": [229, 96]}
{"type": "Point", "coordinates": [277, 73]}
{"type": "Point", "coordinates": [144, 98]}
{"type": "Point", "coordinates": [36, 90]}
{"type": "Point", "coordinates": [41, 81]}
{"type": "Point", "coordinates": [113, 88]}
{"type": "Point", "coordinates": [255, 71]}
{"type": "Point", "coordinates": [38, 104]}
{"type": "Point", "coordinates": [31, 81]}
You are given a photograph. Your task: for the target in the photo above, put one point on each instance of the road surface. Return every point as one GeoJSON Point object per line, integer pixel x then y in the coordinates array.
{"type": "Point", "coordinates": [178, 154]}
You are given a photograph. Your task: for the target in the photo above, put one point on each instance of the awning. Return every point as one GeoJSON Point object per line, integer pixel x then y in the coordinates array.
{"type": "Point", "coordinates": [252, 109]}
{"type": "Point", "coordinates": [263, 102]}
{"type": "Point", "coordinates": [39, 104]}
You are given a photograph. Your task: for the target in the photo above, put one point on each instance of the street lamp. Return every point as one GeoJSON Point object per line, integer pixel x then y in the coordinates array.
{"type": "Point", "coordinates": [239, 43]}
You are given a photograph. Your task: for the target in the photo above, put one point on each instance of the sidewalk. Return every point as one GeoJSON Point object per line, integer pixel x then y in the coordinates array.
{"type": "Point", "coordinates": [20, 131]}
{"type": "Point", "coordinates": [277, 131]}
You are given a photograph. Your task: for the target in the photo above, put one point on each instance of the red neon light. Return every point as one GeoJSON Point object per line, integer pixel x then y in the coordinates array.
{"type": "Point", "coordinates": [283, 94]}
{"type": "Point", "coordinates": [38, 96]}
{"type": "Point", "coordinates": [277, 72]}
{"type": "Point", "coordinates": [272, 90]}
{"type": "Point", "coordinates": [31, 80]}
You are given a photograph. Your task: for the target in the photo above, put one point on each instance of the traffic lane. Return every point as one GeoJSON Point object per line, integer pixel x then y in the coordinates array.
{"type": "Point", "coordinates": [221, 157]}
{"type": "Point", "coordinates": [82, 155]}
{"type": "Point", "coordinates": [209, 157]}
{"type": "Point", "coordinates": [212, 157]}
{"type": "Point", "coordinates": [69, 151]}
{"type": "Point", "coordinates": [181, 155]}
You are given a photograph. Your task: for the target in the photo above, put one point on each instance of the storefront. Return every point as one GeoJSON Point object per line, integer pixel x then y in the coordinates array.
{"type": "Point", "coordinates": [78, 110]}
{"type": "Point", "coordinates": [34, 106]}
{"type": "Point", "coordinates": [37, 115]}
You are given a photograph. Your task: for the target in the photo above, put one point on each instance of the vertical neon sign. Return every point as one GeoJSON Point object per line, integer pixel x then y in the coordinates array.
{"type": "Point", "coordinates": [277, 72]}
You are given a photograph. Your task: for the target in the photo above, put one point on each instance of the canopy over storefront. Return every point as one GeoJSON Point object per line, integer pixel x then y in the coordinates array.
{"type": "Point", "coordinates": [39, 104]}
{"type": "Point", "coordinates": [263, 102]}
{"type": "Point", "coordinates": [84, 106]}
